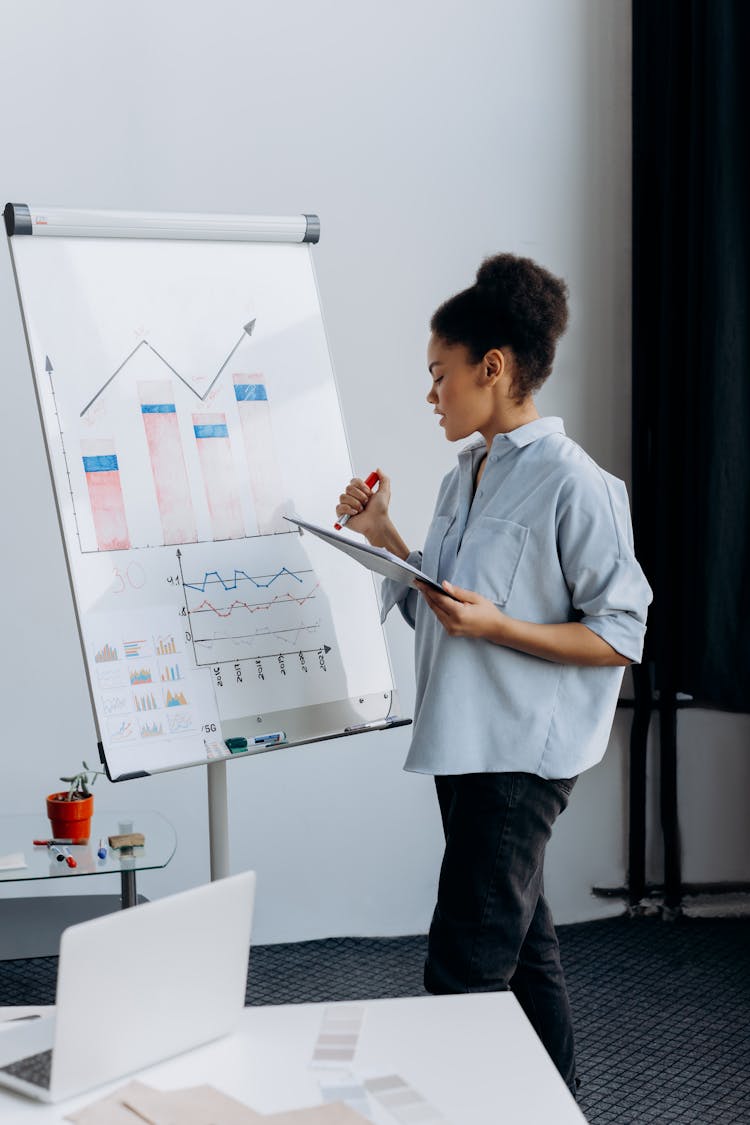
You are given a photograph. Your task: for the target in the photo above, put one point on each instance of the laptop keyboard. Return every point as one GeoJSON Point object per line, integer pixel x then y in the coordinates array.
{"type": "Point", "coordinates": [35, 1069]}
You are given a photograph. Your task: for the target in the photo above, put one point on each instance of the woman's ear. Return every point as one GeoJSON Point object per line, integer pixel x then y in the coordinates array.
{"type": "Point", "coordinates": [494, 365]}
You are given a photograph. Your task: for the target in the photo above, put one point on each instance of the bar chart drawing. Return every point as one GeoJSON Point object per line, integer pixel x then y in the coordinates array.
{"type": "Point", "coordinates": [171, 481]}
{"type": "Point", "coordinates": [145, 702]}
{"type": "Point", "coordinates": [185, 462]}
{"type": "Point", "coordinates": [102, 470]}
{"type": "Point", "coordinates": [251, 396]}
{"type": "Point", "coordinates": [215, 452]}
{"type": "Point", "coordinates": [140, 676]}
{"type": "Point", "coordinates": [165, 645]}
{"type": "Point", "coordinates": [175, 699]}
{"type": "Point", "coordinates": [153, 729]}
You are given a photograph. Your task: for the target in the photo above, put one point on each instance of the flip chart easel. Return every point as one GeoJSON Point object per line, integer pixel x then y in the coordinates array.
{"type": "Point", "coordinates": [188, 403]}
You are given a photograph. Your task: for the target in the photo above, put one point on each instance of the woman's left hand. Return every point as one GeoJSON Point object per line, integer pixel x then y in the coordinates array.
{"type": "Point", "coordinates": [470, 616]}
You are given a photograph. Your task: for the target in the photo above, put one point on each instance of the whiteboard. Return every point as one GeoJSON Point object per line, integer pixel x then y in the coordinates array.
{"type": "Point", "coordinates": [188, 403]}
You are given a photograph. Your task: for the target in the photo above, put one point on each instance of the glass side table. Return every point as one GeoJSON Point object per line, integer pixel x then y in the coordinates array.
{"type": "Point", "coordinates": [17, 834]}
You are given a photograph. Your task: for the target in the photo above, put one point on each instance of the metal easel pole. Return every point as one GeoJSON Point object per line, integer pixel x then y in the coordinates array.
{"type": "Point", "coordinates": [218, 820]}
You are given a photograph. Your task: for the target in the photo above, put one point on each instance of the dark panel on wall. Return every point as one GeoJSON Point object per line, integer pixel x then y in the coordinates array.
{"type": "Point", "coordinates": [691, 342]}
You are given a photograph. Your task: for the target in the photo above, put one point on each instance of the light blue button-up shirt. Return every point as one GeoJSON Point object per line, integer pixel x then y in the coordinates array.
{"type": "Point", "coordinates": [547, 537]}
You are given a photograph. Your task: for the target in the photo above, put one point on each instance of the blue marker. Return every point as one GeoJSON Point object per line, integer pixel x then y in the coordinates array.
{"type": "Point", "coordinates": [102, 853]}
{"type": "Point", "coordinates": [269, 739]}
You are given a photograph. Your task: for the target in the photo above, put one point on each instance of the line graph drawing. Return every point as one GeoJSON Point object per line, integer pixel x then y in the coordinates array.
{"type": "Point", "coordinates": [221, 624]}
{"type": "Point", "coordinates": [115, 704]}
{"type": "Point", "coordinates": [212, 577]}
{"type": "Point", "coordinates": [247, 330]}
{"type": "Point", "coordinates": [180, 722]}
{"type": "Point", "coordinates": [121, 730]}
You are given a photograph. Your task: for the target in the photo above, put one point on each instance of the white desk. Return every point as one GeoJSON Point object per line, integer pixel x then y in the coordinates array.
{"type": "Point", "coordinates": [474, 1058]}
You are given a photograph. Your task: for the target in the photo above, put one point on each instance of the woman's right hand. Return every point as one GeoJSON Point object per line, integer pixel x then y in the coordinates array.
{"type": "Point", "coordinates": [367, 508]}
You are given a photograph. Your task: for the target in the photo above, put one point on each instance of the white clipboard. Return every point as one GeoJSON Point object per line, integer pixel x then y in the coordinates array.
{"type": "Point", "coordinates": [374, 558]}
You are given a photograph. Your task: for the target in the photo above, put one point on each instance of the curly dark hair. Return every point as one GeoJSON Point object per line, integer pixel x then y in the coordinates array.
{"type": "Point", "coordinates": [514, 303]}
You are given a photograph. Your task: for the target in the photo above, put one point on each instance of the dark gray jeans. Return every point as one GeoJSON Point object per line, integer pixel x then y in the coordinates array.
{"type": "Point", "coordinates": [492, 928]}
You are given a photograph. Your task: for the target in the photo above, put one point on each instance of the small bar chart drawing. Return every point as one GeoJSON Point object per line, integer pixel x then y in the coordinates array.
{"type": "Point", "coordinates": [140, 676]}
{"type": "Point", "coordinates": [153, 729]}
{"type": "Point", "coordinates": [102, 471]}
{"type": "Point", "coordinates": [215, 452]}
{"type": "Point", "coordinates": [165, 645]}
{"type": "Point", "coordinates": [265, 477]}
{"type": "Point", "coordinates": [145, 702]}
{"type": "Point", "coordinates": [171, 482]}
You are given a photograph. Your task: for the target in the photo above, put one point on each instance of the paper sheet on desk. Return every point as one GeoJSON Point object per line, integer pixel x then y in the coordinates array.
{"type": "Point", "coordinates": [199, 1105]}
{"type": "Point", "coordinates": [12, 861]}
{"type": "Point", "coordinates": [334, 1114]}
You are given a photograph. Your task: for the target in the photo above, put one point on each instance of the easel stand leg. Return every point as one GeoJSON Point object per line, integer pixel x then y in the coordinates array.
{"type": "Point", "coordinates": [218, 820]}
{"type": "Point", "coordinates": [127, 887]}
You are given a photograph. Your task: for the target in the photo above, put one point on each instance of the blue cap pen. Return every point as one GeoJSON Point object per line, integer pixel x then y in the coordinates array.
{"type": "Point", "coordinates": [269, 739]}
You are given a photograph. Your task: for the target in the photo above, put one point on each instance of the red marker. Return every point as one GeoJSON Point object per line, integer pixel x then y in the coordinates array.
{"type": "Point", "coordinates": [370, 481]}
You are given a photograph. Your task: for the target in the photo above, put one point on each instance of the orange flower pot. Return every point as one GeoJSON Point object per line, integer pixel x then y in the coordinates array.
{"type": "Point", "coordinates": [70, 820]}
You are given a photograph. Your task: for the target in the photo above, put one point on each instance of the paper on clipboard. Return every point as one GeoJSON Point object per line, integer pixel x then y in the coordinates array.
{"type": "Point", "coordinates": [374, 558]}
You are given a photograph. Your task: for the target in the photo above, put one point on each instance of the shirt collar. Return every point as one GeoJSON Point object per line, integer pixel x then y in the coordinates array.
{"type": "Point", "coordinates": [522, 435]}
{"type": "Point", "coordinates": [532, 431]}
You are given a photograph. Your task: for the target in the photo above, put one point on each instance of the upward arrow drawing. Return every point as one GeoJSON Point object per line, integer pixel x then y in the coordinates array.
{"type": "Point", "coordinates": [247, 330]}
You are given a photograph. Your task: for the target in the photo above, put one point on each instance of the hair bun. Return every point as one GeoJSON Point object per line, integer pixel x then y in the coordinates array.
{"type": "Point", "coordinates": [495, 272]}
{"type": "Point", "coordinates": [515, 303]}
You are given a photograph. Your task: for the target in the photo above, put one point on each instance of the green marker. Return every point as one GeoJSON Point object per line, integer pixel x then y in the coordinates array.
{"type": "Point", "coordinates": [236, 745]}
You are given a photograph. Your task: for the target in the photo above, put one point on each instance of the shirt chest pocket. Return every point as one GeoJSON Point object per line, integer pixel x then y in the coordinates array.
{"type": "Point", "coordinates": [490, 556]}
{"type": "Point", "coordinates": [433, 546]}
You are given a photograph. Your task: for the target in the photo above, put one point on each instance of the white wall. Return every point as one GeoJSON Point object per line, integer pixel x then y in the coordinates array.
{"type": "Point", "coordinates": [426, 134]}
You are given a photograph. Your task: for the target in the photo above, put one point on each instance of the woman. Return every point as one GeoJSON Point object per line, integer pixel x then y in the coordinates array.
{"type": "Point", "coordinates": [519, 663]}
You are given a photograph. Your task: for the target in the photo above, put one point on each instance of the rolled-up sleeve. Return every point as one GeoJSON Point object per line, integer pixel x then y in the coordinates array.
{"type": "Point", "coordinates": [595, 542]}
{"type": "Point", "coordinates": [398, 593]}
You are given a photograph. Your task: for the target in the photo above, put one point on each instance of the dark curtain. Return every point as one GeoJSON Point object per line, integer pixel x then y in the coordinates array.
{"type": "Point", "coordinates": [691, 341]}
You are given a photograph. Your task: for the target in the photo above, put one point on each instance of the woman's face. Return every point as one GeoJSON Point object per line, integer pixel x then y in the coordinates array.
{"type": "Point", "coordinates": [459, 391]}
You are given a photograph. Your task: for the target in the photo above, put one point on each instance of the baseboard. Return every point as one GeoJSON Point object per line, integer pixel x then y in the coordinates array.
{"type": "Point", "coordinates": [32, 926]}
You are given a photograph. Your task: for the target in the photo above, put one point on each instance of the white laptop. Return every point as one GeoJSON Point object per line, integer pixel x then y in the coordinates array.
{"type": "Point", "coordinates": [136, 987]}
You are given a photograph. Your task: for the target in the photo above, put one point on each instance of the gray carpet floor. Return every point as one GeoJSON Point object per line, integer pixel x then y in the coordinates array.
{"type": "Point", "coordinates": [662, 1009]}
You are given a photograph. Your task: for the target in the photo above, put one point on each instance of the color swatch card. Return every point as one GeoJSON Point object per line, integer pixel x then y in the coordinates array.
{"type": "Point", "coordinates": [338, 1037]}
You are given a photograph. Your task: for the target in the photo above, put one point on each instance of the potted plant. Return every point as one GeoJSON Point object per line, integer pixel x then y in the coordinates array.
{"type": "Point", "coordinates": [70, 810]}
